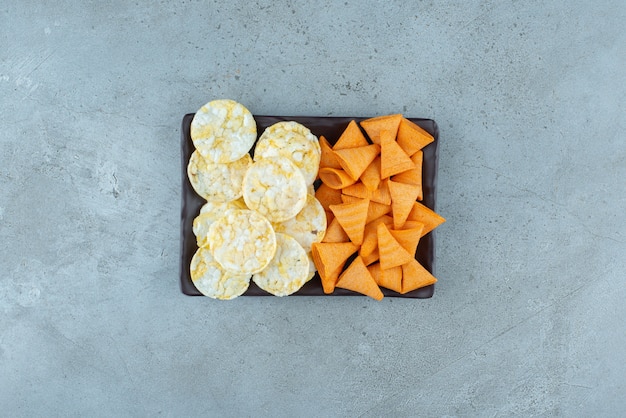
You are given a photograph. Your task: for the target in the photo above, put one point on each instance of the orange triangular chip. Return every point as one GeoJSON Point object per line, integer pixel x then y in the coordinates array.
{"type": "Point", "coordinates": [408, 238]}
{"type": "Point", "coordinates": [329, 259]}
{"type": "Point", "coordinates": [372, 258]}
{"type": "Point", "coordinates": [415, 276]}
{"type": "Point", "coordinates": [352, 217]}
{"type": "Point", "coordinates": [380, 195]}
{"type": "Point", "coordinates": [351, 137]}
{"type": "Point", "coordinates": [371, 176]}
{"type": "Point", "coordinates": [391, 279]}
{"type": "Point", "coordinates": [393, 159]}
{"type": "Point", "coordinates": [375, 210]}
{"type": "Point", "coordinates": [355, 160]}
{"type": "Point", "coordinates": [328, 196]}
{"type": "Point", "coordinates": [335, 233]}
{"type": "Point", "coordinates": [425, 215]}
{"type": "Point", "coordinates": [358, 279]}
{"type": "Point", "coordinates": [411, 137]}
{"type": "Point", "coordinates": [414, 175]}
{"type": "Point", "coordinates": [391, 253]}
{"type": "Point", "coordinates": [335, 178]}
{"type": "Point", "coordinates": [374, 270]}
{"type": "Point", "coordinates": [370, 235]}
{"type": "Point", "coordinates": [402, 198]}
{"type": "Point", "coordinates": [374, 126]}
{"type": "Point", "coordinates": [328, 158]}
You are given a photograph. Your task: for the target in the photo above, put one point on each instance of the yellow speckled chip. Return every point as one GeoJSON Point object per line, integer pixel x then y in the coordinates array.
{"type": "Point", "coordinates": [275, 188]}
{"type": "Point", "coordinates": [242, 241]}
{"type": "Point", "coordinates": [294, 141]}
{"type": "Point", "coordinates": [223, 131]}
{"type": "Point", "coordinates": [210, 212]}
{"type": "Point", "coordinates": [217, 181]}
{"type": "Point", "coordinates": [212, 281]}
{"type": "Point", "coordinates": [288, 270]}
{"type": "Point", "coordinates": [308, 226]}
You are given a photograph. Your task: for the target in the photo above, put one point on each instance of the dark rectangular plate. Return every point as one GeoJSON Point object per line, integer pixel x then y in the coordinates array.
{"type": "Point", "coordinates": [331, 128]}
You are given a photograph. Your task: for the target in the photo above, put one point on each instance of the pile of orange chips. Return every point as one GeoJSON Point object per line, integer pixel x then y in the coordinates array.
{"type": "Point", "coordinates": [371, 192]}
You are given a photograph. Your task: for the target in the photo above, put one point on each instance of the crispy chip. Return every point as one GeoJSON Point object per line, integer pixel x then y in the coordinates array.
{"type": "Point", "coordinates": [414, 175]}
{"type": "Point", "coordinates": [335, 233]}
{"type": "Point", "coordinates": [372, 258]}
{"type": "Point", "coordinates": [351, 137]}
{"type": "Point", "coordinates": [392, 254]}
{"type": "Point", "coordinates": [374, 126]}
{"type": "Point", "coordinates": [411, 137]}
{"type": "Point", "coordinates": [393, 159]}
{"type": "Point", "coordinates": [380, 195]}
{"type": "Point", "coordinates": [329, 260]}
{"type": "Point", "coordinates": [370, 235]}
{"type": "Point", "coordinates": [355, 160]}
{"type": "Point", "coordinates": [335, 178]}
{"type": "Point", "coordinates": [391, 278]}
{"type": "Point", "coordinates": [374, 270]}
{"type": "Point", "coordinates": [415, 276]}
{"type": "Point", "coordinates": [402, 198]}
{"type": "Point", "coordinates": [371, 177]}
{"type": "Point", "coordinates": [409, 238]}
{"type": "Point", "coordinates": [374, 211]}
{"type": "Point", "coordinates": [426, 216]}
{"type": "Point", "coordinates": [328, 196]}
{"type": "Point", "coordinates": [328, 158]}
{"type": "Point", "coordinates": [352, 217]}
{"type": "Point", "coordinates": [358, 279]}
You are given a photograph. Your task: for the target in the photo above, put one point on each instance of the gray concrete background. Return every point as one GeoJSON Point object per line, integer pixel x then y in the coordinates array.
{"type": "Point", "coordinates": [528, 317]}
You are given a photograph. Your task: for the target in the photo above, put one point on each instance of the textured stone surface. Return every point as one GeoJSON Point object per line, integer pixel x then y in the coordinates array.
{"type": "Point", "coordinates": [528, 316]}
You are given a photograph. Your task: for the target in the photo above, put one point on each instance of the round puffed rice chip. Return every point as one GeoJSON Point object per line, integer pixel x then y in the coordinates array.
{"type": "Point", "coordinates": [212, 281]}
{"type": "Point", "coordinates": [210, 212]}
{"type": "Point", "coordinates": [242, 241]}
{"type": "Point", "coordinates": [294, 141]}
{"type": "Point", "coordinates": [288, 270]}
{"type": "Point", "coordinates": [275, 188]}
{"type": "Point", "coordinates": [217, 181]}
{"type": "Point", "coordinates": [223, 131]}
{"type": "Point", "coordinates": [308, 226]}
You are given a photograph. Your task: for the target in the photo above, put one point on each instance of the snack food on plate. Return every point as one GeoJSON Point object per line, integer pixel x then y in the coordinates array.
{"type": "Point", "coordinates": [293, 141]}
{"type": "Point", "coordinates": [372, 192]}
{"type": "Point", "coordinates": [275, 188]}
{"type": "Point", "coordinates": [217, 181]}
{"type": "Point", "coordinates": [212, 281]}
{"type": "Point", "coordinates": [287, 271]}
{"type": "Point", "coordinates": [308, 226]}
{"type": "Point", "coordinates": [242, 241]}
{"type": "Point", "coordinates": [223, 131]}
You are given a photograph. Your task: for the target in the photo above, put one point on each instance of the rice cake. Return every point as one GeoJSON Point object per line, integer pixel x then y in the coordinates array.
{"type": "Point", "coordinates": [217, 181]}
{"type": "Point", "coordinates": [242, 241]}
{"type": "Point", "coordinates": [275, 188]}
{"type": "Point", "coordinates": [223, 131]}
{"type": "Point", "coordinates": [308, 226]}
{"type": "Point", "coordinates": [288, 270]}
{"type": "Point", "coordinates": [212, 281]}
{"type": "Point", "coordinates": [209, 213]}
{"type": "Point", "coordinates": [294, 141]}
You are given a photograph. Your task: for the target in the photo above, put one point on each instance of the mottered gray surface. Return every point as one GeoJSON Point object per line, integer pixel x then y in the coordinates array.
{"type": "Point", "coordinates": [528, 316]}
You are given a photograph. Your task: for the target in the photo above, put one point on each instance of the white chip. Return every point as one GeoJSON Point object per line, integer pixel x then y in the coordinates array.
{"type": "Point", "coordinates": [275, 188]}
{"type": "Point", "coordinates": [308, 226]}
{"type": "Point", "coordinates": [212, 281]}
{"type": "Point", "coordinates": [312, 269]}
{"type": "Point", "coordinates": [217, 181]}
{"type": "Point", "coordinates": [294, 141]}
{"type": "Point", "coordinates": [242, 241]}
{"type": "Point", "coordinates": [209, 213]}
{"type": "Point", "coordinates": [288, 270]}
{"type": "Point", "coordinates": [223, 131]}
